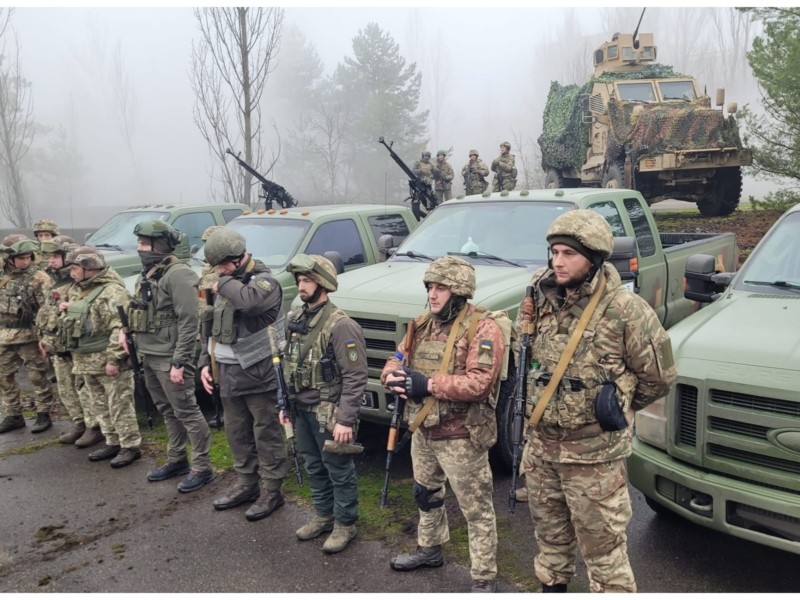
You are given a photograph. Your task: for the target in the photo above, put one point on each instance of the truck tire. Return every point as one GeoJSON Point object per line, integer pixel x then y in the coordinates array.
{"type": "Point", "coordinates": [724, 195]}
{"type": "Point", "coordinates": [614, 177]}
{"type": "Point", "coordinates": [555, 180]}
{"type": "Point", "coordinates": [501, 454]}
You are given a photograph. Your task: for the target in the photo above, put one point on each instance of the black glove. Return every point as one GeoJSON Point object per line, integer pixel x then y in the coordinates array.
{"type": "Point", "coordinates": [416, 385]}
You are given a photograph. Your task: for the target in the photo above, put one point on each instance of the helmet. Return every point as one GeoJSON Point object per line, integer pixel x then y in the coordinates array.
{"type": "Point", "coordinates": [86, 257]}
{"type": "Point", "coordinates": [473, 151]}
{"type": "Point", "coordinates": [586, 227]}
{"type": "Point", "coordinates": [506, 144]}
{"type": "Point", "coordinates": [426, 154]}
{"type": "Point", "coordinates": [223, 245]}
{"type": "Point", "coordinates": [317, 267]}
{"type": "Point", "coordinates": [157, 229]}
{"type": "Point", "coordinates": [23, 247]}
{"type": "Point", "coordinates": [454, 272]}
{"type": "Point", "coordinates": [209, 230]}
{"type": "Point", "coordinates": [441, 153]}
{"type": "Point", "coordinates": [46, 225]}
{"type": "Point", "coordinates": [13, 238]}
{"type": "Point", "coordinates": [63, 244]}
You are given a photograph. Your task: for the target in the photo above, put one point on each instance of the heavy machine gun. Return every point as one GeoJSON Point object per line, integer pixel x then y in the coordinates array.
{"type": "Point", "coordinates": [420, 193]}
{"type": "Point", "coordinates": [270, 191]}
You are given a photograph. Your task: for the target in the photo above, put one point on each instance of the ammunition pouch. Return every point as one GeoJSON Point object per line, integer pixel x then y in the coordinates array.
{"type": "Point", "coordinates": [224, 322]}
{"type": "Point", "coordinates": [607, 409]}
{"type": "Point", "coordinates": [207, 321]}
{"type": "Point", "coordinates": [423, 495]}
{"type": "Point", "coordinates": [146, 320]}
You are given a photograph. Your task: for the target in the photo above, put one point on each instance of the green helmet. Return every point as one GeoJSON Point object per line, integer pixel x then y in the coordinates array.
{"type": "Point", "coordinates": [586, 227]}
{"type": "Point", "coordinates": [441, 153]}
{"type": "Point", "coordinates": [63, 244]}
{"type": "Point", "coordinates": [317, 267]}
{"type": "Point", "coordinates": [224, 245]}
{"type": "Point", "coordinates": [46, 225]}
{"type": "Point", "coordinates": [22, 248]}
{"type": "Point", "coordinates": [454, 272]}
{"type": "Point", "coordinates": [506, 144]}
{"type": "Point", "coordinates": [158, 229]}
{"type": "Point", "coordinates": [86, 257]}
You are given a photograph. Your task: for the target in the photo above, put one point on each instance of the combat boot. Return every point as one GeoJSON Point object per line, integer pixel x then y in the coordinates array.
{"type": "Point", "coordinates": [238, 494]}
{"type": "Point", "coordinates": [125, 457]}
{"type": "Point", "coordinates": [12, 422]}
{"type": "Point", "coordinates": [264, 506]}
{"type": "Point", "coordinates": [338, 540]}
{"type": "Point", "coordinates": [70, 437]}
{"type": "Point", "coordinates": [43, 423]}
{"type": "Point", "coordinates": [90, 437]}
{"type": "Point", "coordinates": [421, 557]}
{"type": "Point", "coordinates": [558, 588]}
{"type": "Point", "coordinates": [103, 452]}
{"type": "Point", "coordinates": [315, 528]}
{"type": "Point", "coordinates": [484, 586]}
{"type": "Point", "coordinates": [171, 469]}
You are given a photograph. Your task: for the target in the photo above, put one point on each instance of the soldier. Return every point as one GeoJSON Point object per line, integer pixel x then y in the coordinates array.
{"type": "Point", "coordinates": [72, 391]}
{"type": "Point", "coordinates": [208, 277]}
{"type": "Point", "coordinates": [424, 169]}
{"type": "Point", "coordinates": [45, 229]}
{"type": "Point", "coordinates": [327, 367]}
{"type": "Point", "coordinates": [443, 177]}
{"type": "Point", "coordinates": [241, 341]}
{"type": "Point", "coordinates": [505, 173]}
{"type": "Point", "coordinates": [23, 289]}
{"type": "Point", "coordinates": [475, 173]}
{"type": "Point", "coordinates": [92, 326]}
{"type": "Point", "coordinates": [574, 460]}
{"type": "Point", "coordinates": [163, 316]}
{"type": "Point", "coordinates": [453, 439]}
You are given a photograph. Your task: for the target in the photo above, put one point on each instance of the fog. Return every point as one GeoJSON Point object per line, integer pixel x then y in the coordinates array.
{"type": "Point", "coordinates": [113, 102]}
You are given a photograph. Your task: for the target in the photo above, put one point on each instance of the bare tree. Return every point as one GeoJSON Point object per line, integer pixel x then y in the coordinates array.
{"type": "Point", "coordinates": [230, 68]}
{"type": "Point", "coordinates": [16, 129]}
{"type": "Point", "coordinates": [125, 103]}
{"type": "Point", "coordinates": [330, 125]}
{"type": "Point", "coordinates": [529, 160]}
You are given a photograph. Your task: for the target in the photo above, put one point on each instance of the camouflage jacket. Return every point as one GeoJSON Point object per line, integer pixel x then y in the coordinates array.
{"type": "Point", "coordinates": [443, 176]}
{"type": "Point", "coordinates": [474, 174]}
{"type": "Point", "coordinates": [470, 379]}
{"type": "Point", "coordinates": [102, 320]}
{"type": "Point", "coordinates": [22, 293]}
{"type": "Point", "coordinates": [505, 165]}
{"type": "Point", "coordinates": [47, 319]}
{"type": "Point", "coordinates": [623, 342]}
{"type": "Point", "coordinates": [425, 171]}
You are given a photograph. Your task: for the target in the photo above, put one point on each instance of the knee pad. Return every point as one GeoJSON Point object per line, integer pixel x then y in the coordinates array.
{"type": "Point", "coordinates": [422, 496]}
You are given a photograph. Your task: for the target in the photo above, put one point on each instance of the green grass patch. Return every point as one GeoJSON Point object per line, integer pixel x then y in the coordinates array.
{"type": "Point", "coordinates": [30, 448]}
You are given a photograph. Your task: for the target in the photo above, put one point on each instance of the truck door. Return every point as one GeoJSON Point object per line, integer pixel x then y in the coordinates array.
{"type": "Point", "coordinates": [652, 279]}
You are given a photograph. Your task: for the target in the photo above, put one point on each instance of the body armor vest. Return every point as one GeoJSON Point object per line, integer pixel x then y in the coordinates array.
{"type": "Point", "coordinates": [142, 314]}
{"type": "Point", "coordinates": [17, 304]}
{"type": "Point", "coordinates": [74, 333]}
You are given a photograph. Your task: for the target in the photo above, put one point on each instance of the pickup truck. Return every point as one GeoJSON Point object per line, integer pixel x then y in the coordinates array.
{"type": "Point", "coordinates": [723, 448]}
{"type": "Point", "coordinates": [116, 241]}
{"type": "Point", "coordinates": [503, 235]}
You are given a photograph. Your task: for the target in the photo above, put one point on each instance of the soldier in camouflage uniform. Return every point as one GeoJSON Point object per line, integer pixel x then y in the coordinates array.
{"type": "Point", "coordinates": [424, 168]}
{"type": "Point", "coordinates": [327, 370]}
{"type": "Point", "coordinates": [45, 229]}
{"type": "Point", "coordinates": [574, 460]}
{"type": "Point", "coordinates": [452, 444]}
{"type": "Point", "coordinates": [23, 289]}
{"type": "Point", "coordinates": [72, 392]}
{"type": "Point", "coordinates": [241, 339]}
{"type": "Point", "coordinates": [163, 317]}
{"type": "Point", "coordinates": [505, 173]}
{"type": "Point", "coordinates": [91, 325]}
{"type": "Point", "coordinates": [443, 177]}
{"type": "Point", "coordinates": [475, 173]}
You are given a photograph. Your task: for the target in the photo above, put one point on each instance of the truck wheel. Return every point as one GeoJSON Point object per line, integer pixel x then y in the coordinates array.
{"type": "Point", "coordinates": [724, 195]}
{"type": "Point", "coordinates": [555, 180]}
{"type": "Point", "coordinates": [614, 177]}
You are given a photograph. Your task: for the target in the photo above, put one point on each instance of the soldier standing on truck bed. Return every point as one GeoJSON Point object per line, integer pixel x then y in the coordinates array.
{"type": "Point", "coordinates": [574, 461]}
{"type": "Point", "coordinates": [505, 173]}
{"type": "Point", "coordinates": [475, 173]}
{"type": "Point", "coordinates": [443, 177]}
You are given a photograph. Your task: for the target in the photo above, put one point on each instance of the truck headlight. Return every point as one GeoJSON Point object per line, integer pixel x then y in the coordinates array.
{"type": "Point", "coordinates": [651, 424]}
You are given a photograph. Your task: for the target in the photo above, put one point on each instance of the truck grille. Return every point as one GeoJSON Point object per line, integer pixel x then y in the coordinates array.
{"type": "Point", "coordinates": [760, 460]}
{"type": "Point", "coordinates": [376, 324]}
{"type": "Point", "coordinates": [756, 431]}
{"type": "Point", "coordinates": [771, 405]}
{"type": "Point", "coordinates": [381, 337]}
{"type": "Point", "coordinates": [687, 414]}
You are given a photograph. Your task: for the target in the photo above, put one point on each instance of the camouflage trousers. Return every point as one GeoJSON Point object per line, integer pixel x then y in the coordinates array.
{"type": "Point", "coordinates": [509, 183]}
{"type": "Point", "coordinates": [36, 365]}
{"type": "Point", "coordinates": [444, 195]}
{"type": "Point", "coordinates": [586, 506]}
{"type": "Point", "coordinates": [466, 468]}
{"type": "Point", "coordinates": [111, 403]}
{"type": "Point", "coordinates": [73, 392]}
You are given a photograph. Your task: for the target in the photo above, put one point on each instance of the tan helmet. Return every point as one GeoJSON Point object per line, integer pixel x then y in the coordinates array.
{"type": "Point", "coordinates": [209, 230]}
{"type": "Point", "coordinates": [224, 245]}
{"type": "Point", "coordinates": [13, 238]}
{"type": "Point", "coordinates": [506, 144]}
{"type": "Point", "coordinates": [473, 151]}
{"type": "Point", "coordinates": [317, 267]}
{"type": "Point", "coordinates": [586, 228]}
{"type": "Point", "coordinates": [86, 257]}
{"type": "Point", "coordinates": [454, 272]}
{"type": "Point", "coordinates": [46, 225]}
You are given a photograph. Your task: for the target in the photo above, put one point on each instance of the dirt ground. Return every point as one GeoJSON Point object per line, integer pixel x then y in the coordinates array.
{"type": "Point", "coordinates": [748, 225]}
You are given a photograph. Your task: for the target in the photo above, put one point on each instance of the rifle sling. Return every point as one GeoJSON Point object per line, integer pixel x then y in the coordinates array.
{"type": "Point", "coordinates": [561, 367]}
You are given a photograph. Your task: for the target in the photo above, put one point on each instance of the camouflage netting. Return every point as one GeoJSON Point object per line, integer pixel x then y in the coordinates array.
{"type": "Point", "coordinates": [564, 134]}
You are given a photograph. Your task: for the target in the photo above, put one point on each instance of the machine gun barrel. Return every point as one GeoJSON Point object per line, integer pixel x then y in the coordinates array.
{"type": "Point", "coordinates": [272, 192]}
{"type": "Point", "coordinates": [419, 191]}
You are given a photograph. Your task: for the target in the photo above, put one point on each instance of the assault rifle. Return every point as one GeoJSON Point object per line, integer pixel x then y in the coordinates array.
{"type": "Point", "coordinates": [140, 393]}
{"type": "Point", "coordinates": [420, 193]}
{"type": "Point", "coordinates": [520, 393]}
{"type": "Point", "coordinates": [270, 191]}
{"type": "Point", "coordinates": [467, 178]}
{"type": "Point", "coordinates": [216, 396]}
{"type": "Point", "coordinates": [284, 405]}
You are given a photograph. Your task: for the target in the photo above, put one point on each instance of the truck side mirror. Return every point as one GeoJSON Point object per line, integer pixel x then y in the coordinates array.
{"type": "Point", "coordinates": [703, 282]}
{"type": "Point", "coordinates": [625, 259]}
{"type": "Point", "coordinates": [386, 246]}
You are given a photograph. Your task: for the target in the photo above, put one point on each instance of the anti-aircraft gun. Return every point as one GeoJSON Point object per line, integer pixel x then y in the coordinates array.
{"type": "Point", "coordinates": [420, 193]}
{"type": "Point", "coordinates": [270, 191]}
{"type": "Point", "coordinates": [641, 125]}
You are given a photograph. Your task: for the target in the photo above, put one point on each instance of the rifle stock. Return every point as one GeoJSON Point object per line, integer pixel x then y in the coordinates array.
{"type": "Point", "coordinates": [420, 193]}
{"type": "Point", "coordinates": [520, 394]}
{"type": "Point", "coordinates": [216, 394]}
{"type": "Point", "coordinates": [288, 413]}
{"type": "Point", "coordinates": [140, 388]}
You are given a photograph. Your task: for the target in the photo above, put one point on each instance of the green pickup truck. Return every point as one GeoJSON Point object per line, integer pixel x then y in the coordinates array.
{"type": "Point", "coordinates": [116, 241]}
{"type": "Point", "coordinates": [503, 235]}
{"type": "Point", "coordinates": [723, 449]}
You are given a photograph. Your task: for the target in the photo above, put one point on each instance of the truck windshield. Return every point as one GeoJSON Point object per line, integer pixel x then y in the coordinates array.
{"type": "Point", "coordinates": [676, 90]}
{"type": "Point", "coordinates": [512, 231]}
{"type": "Point", "coordinates": [775, 264]}
{"type": "Point", "coordinates": [272, 241]}
{"type": "Point", "coordinates": [641, 91]}
{"type": "Point", "coordinates": [117, 232]}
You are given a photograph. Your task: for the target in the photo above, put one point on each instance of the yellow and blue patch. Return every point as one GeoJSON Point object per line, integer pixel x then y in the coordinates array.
{"type": "Point", "coordinates": [352, 351]}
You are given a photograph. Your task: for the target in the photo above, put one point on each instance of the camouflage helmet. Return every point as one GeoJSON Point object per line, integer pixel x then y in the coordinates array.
{"type": "Point", "coordinates": [506, 144]}
{"type": "Point", "coordinates": [63, 244]}
{"type": "Point", "coordinates": [13, 238]}
{"type": "Point", "coordinates": [441, 153]}
{"type": "Point", "coordinates": [224, 245]}
{"type": "Point", "coordinates": [317, 267]}
{"type": "Point", "coordinates": [473, 151]}
{"type": "Point", "coordinates": [426, 154]}
{"type": "Point", "coordinates": [454, 272]}
{"type": "Point", "coordinates": [86, 257]}
{"type": "Point", "coordinates": [209, 230]}
{"type": "Point", "coordinates": [46, 225]}
{"type": "Point", "coordinates": [23, 247]}
{"type": "Point", "coordinates": [158, 229]}
{"type": "Point", "coordinates": [586, 228]}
